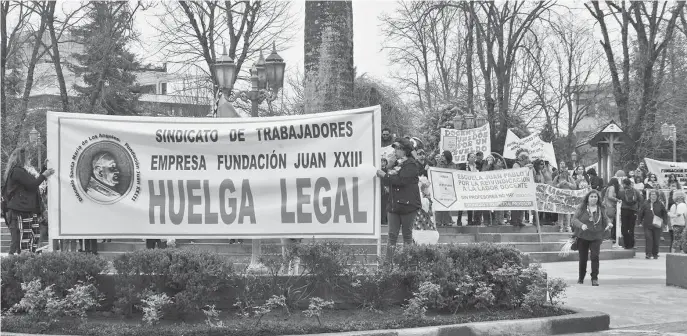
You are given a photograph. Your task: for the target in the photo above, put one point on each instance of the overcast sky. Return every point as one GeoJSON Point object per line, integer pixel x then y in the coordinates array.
{"type": "Point", "coordinates": [368, 56]}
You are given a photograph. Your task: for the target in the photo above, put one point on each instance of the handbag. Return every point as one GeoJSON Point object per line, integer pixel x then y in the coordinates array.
{"type": "Point", "coordinates": [658, 221]}
{"type": "Point", "coordinates": [574, 244]}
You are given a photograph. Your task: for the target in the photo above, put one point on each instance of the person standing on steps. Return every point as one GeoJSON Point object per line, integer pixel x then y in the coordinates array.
{"type": "Point", "coordinates": [443, 218]}
{"type": "Point", "coordinates": [404, 194]}
{"type": "Point", "coordinates": [652, 215]}
{"type": "Point", "coordinates": [631, 199]}
{"type": "Point", "coordinates": [611, 200]}
{"type": "Point", "coordinates": [678, 219]}
{"type": "Point", "coordinates": [523, 160]}
{"type": "Point", "coordinates": [590, 223]}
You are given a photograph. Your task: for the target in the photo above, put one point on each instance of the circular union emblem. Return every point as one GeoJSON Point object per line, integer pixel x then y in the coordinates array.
{"type": "Point", "coordinates": [105, 172]}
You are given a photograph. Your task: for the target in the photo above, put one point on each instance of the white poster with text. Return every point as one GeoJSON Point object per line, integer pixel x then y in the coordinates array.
{"type": "Point", "coordinates": [537, 148]}
{"type": "Point", "coordinates": [463, 142]}
{"type": "Point", "coordinates": [511, 189]}
{"type": "Point", "coordinates": [148, 177]}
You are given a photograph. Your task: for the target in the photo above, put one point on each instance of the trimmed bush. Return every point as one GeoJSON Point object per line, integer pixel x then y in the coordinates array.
{"type": "Point", "coordinates": [63, 270]}
{"type": "Point", "coordinates": [191, 278]}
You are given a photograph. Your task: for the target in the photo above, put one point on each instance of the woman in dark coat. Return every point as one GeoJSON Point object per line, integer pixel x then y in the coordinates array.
{"type": "Point", "coordinates": [21, 193]}
{"type": "Point", "coordinates": [652, 212]}
{"type": "Point", "coordinates": [404, 194]}
{"type": "Point", "coordinates": [590, 223]}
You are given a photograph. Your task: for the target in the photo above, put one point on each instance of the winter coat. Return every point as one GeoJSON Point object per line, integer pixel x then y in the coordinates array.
{"type": "Point", "coordinates": [631, 199]}
{"type": "Point", "coordinates": [404, 194]}
{"type": "Point", "coordinates": [678, 213]}
{"type": "Point", "coordinates": [22, 188]}
{"type": "Point", "coordinates": [595, 227]}
{"type": "Point", "coordinates": [646, 217]}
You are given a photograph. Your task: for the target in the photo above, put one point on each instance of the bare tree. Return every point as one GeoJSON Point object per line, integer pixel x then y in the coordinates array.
{"type": "Point", "coordinates": [653, 25]}
{"type": "Point", "coordinates": [191, 31]}
{"type": "Point", "coordinates": [10, 44]}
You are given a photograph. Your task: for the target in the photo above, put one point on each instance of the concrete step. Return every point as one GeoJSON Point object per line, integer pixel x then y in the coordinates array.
{"type": "Point", "coordinates": [547, 246]}
{"type": "Point", "coordinates": [522, 237]}
{"type": "Point", "coordinates": [494, 229]}
{"type": "Point", "coordinates": [606, 254]}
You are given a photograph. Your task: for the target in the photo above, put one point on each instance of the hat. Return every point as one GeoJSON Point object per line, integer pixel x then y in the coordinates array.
{"type": "Point", "coordinates": [620, 173]}
{"type": "Point", "coordinates": [677, 194]}
{"type": "Point", "coordinates": [404, 144]}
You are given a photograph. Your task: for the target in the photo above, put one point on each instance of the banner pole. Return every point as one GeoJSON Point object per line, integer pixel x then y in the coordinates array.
{"type": "Point", "coordinates": [618, 233]}
{"type": "Point", "coordinates": [536, 220]}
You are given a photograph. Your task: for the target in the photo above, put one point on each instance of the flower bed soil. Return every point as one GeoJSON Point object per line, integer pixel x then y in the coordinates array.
{"type": "Point", "coordinates": [275, 323]}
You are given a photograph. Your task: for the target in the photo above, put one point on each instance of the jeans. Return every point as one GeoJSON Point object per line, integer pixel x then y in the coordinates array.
{"type": "Point", "coordinates": [91, 246]}
{"type": "Point", "coordinates": [584, 248]}
{"type": "Point", "coordinates": [652, 235]}
{"type": "Point", "coordinates": [15, 226]}
{"type": "Point", "coordinates": [628, 218]}
{"type": "Point", "coordinates": [403, 223]}
{"type": "Point", "coordinates": [676, 237]}
{"type": "Point", "coordinates": [155, 243]}
{"type": "Point", "coordinates": [442, 218]}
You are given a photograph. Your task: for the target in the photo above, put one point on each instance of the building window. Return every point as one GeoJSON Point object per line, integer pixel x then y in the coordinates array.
{"type": "Point", "coordinates": [163, 88]}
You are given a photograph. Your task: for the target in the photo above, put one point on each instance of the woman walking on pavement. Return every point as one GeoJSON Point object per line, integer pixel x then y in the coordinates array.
{"type": "Point", "coordinates": [652, 215]}
{"type": "Point", "coordinates": [590, 223]}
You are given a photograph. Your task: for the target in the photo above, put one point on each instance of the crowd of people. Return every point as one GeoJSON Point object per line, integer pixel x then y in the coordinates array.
{"type": "Point", "coordinates": [638, 192]}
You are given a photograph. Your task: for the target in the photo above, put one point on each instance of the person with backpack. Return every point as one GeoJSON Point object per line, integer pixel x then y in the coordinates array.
{"type": "Point", "coordinates": [630, 199]}
{"type": "Point", "coordinates": [20, 193]}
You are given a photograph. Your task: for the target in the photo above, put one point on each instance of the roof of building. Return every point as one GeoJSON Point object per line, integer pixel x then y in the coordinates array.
{"type": "Point", "coordinates": [599, 134]}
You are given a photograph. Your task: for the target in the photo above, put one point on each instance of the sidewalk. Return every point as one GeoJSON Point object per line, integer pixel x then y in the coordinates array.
{"type": "Point", "coordinates": [632, 291]}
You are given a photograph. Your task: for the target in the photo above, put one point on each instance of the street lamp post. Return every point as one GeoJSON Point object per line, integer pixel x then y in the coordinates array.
{"type": "Point", "coordinates": [267, 78]}
{"type": "Point", "coordinates": [35, 140]}
{"type": "Point", "coordinates": [669, 132]}
{"type": "Point", "coordinates": [466, 121]}
{"type": "Point", "coordinates": [573, 156]}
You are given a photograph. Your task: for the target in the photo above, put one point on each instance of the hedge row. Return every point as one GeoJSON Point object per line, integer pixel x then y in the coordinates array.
{"type": "Point", "coordinates": [196, 279]}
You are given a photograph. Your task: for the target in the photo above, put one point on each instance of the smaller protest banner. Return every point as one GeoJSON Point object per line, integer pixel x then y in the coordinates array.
{"type": "Point", "coordinates": [562, 201]}
{"type": "Point", "coordinates": [664, 168]}
{"type": "Point", "coordinates": [538, 149]}
{"type": "Point", "coordinates": [453, 190]}
{"type": "Point", "coordinates": [463, 142]}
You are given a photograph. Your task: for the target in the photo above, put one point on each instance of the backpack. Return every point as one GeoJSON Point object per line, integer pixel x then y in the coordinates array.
{"type": "Point", "coordinates": [630, 200]}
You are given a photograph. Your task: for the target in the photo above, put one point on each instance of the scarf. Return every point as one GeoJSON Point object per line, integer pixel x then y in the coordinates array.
{"type": "Point", "coordinates": [42, 189]}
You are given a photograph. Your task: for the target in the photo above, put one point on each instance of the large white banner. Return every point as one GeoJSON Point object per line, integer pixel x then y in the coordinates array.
{"type": "Point", "coordinates": [147, 177]}
{"type": "Point", "coordinates": [511, 189]}
{"type": "Point", "coordinates": [537, 148]}
{"type": "Point", "coordinates": [664, 168]}
{"type": "Point", "coordinates": [463, 142]}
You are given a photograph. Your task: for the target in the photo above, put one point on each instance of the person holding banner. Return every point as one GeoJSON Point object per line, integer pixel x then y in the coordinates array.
{"type": "Point", "coordinates": [474, 217]}
{"type": "Point", "coordinates": [652, 215]}
{"type": "Point", "coordinates": [404, 194]}
{"type": "Point", "coordinates": [523, 160]}
{"type": "Point", "coordinates": [443, 218]}
{"type": "Point", "coordinates": [590, 223]}
{"type": "Point", "coordinates": [21, 190]}
{"type": "Point", "coordinates": [564, 181]}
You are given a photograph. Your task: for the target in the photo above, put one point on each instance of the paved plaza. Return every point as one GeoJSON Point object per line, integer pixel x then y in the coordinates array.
{"type": "Point", "coordinates": [633, 292]}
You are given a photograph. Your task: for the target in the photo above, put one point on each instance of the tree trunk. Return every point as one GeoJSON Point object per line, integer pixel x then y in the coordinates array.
{"type": "Point", "coordinates": [23, 109]}
{"type": "Point", "coordinates": [56, 56]}
{"type": "Point", "coordinates": [3, 59]}
{"type": "Point", "coordinates": [329, 71]}
{"type": "Point", "coordinates": [468, 63]}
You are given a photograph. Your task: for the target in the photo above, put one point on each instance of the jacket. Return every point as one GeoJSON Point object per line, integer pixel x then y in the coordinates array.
{"type": "Point", "coordinates": [678, 214]}
{"type": "Point", "coordinates": [631, 199]}
{"type": "Point", "coordinates": [23, 188]}
{"type": "Point", "coordinates": [646, 217]}
{"type": "Point", "coordinates": [595, 229]}
{"type": "Point", "coordinates": [404, 194]}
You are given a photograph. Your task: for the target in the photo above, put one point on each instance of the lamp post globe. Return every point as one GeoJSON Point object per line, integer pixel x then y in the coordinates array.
{"type": "Point", "coordinates": [274, 69]}
{"type": "Point", "coordinates": [33, 136]}
{"type": "Point", "coordinates": [573, 156]}
{"type": "Point", "coordinates": [224, 70]}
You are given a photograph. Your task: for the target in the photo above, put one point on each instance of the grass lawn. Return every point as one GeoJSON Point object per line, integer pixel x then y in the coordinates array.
{"type": "Point", "coordinates": [276, 323]}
